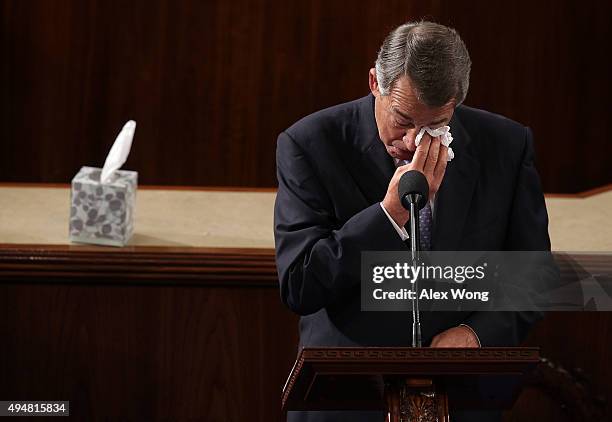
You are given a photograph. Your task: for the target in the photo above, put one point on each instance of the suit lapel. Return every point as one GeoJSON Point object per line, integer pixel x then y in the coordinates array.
{"type": "Point", "coordinates": [454, 197]}
{"type": "Point", "coordinates": [374, 167]}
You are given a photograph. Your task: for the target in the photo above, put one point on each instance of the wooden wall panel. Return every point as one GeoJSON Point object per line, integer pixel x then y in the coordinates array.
{"type": "Point", "coordinates": [148, 333]}
{"type": "Point", "coordinates": [136, 353]}
{"type": "Point", "coordinates": [211, 83]}
{"type": "Point", "coordinates": [201, 353]}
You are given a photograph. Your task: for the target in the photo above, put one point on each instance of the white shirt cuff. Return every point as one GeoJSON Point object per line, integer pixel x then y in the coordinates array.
{"type": "Point", "coordinates": [400, 230]}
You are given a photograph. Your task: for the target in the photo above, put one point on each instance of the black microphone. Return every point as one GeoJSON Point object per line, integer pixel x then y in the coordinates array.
{"type": "Point", "coordinates": [413, 191]}
{"type": "Point", "coordinates": [413, 187]}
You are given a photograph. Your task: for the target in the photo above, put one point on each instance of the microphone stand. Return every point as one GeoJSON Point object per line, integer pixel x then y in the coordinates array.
{"type": "Point", "coordinates": [415, 247]}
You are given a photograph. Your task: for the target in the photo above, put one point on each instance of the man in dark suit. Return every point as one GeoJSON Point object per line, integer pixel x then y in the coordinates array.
{"type": "Point", "coordinates": [338, 171]}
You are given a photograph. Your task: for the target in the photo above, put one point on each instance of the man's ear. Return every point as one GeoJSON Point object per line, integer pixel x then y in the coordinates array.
{"type": "Point", "coordinates": [373, 82]}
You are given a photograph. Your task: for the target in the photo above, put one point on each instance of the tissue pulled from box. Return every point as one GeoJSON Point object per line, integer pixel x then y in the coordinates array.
{"type": "Point", "coordinates": [119, 151]}
{"type": "Point", "coordinates": [445, 137]}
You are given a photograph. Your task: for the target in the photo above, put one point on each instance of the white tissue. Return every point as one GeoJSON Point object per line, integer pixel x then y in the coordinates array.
{"type": "Point", "coordinates": [445, 137]}
{"type": "Point", "coordinates": [119, 152]}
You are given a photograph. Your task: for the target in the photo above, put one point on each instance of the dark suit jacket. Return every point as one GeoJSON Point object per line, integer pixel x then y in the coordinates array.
{"type": "Point", "coordinates": [333, 171]}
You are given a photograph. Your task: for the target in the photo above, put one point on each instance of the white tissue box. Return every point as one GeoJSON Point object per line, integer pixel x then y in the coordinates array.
{"type": "Point", "coordinates": [102, 213]}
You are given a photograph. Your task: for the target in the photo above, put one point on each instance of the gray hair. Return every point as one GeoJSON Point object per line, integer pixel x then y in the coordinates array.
{"type": "Point", "coordinates": [433, 56]}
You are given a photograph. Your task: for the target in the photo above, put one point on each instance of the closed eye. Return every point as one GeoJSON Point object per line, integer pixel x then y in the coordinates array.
{"type": "Point", "coordinates": [404, 124]}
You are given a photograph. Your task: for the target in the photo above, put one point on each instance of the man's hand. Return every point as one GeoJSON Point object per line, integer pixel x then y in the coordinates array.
{"type": "Point", "coordinates": [456, 337]}
{"type": "Point", "coordinates": [430, 158]}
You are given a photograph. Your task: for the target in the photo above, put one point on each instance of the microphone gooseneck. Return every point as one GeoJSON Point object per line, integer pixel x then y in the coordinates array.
{"type": "Point", "coordinates": [413, 191]}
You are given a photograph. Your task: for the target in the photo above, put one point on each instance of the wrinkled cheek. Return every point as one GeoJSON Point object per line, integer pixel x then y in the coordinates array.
{"type": "Point", "coordinates": [391, 135]}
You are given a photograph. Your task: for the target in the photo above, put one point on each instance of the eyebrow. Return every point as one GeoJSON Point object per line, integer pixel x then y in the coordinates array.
{"type": "Point", "coordinates": [405, 116]}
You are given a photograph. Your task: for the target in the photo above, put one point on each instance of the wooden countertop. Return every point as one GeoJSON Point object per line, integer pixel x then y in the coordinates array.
{"type": "Point", "coordinates": [210, 234]}
{"type": "Point", "coordinates": [192, 218]}
{"type": "Point", "coordinates": [243, 218]}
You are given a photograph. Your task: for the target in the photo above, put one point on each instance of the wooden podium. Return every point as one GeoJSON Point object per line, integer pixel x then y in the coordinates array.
{"type": "Point", "coordinates": [410, 384]}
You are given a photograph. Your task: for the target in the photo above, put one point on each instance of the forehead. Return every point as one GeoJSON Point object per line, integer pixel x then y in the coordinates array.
{"type": "Point", "coordinates": [404, 101]}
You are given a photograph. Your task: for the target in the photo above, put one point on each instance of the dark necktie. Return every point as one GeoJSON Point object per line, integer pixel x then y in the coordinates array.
{"type": "Point", "coordinates": [425, 220]}
{"type": "Point", "coordinates": [425, 227]}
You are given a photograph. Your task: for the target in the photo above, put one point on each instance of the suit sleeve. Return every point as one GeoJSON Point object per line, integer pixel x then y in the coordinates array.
{"type": "Point", "coordinates": [318, 258]}
{"type": "Point", "coordinates": [528, 231]}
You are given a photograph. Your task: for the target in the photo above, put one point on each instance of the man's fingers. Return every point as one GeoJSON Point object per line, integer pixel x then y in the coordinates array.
{"type": "Point", "coordinates": [441, 164]}
{"type": "Point", "coordinates": [399, 170]}
{"type": "Point", "coordinates": [432, 156]}
{"type": "Point", "coordinates": [420, 155]}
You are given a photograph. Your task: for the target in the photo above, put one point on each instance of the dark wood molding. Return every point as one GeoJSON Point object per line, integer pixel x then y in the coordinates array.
{"type": "Point", "coordinates": [142, 264]}
{"type": "Point", "coordinates": [26, 185]}
{"type": "Point", "coordinates": [360, 364]}
{"type": "Point", "coordinates": [185, 265]}
{"type": "Point", "coordinates": [390, 355]}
